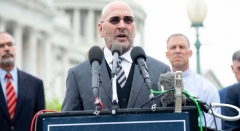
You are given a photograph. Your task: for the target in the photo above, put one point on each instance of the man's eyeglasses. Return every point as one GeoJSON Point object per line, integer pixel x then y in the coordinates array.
{"type": "Point", "coordinates": [116, 19]}
{"type": "Point", "coordinates": [9, 44]}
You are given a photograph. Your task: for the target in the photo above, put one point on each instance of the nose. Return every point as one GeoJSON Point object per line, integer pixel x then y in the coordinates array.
{"type": "Point", "coordinates": [121, 25]}
{"type": "Point", "coordinates": [6, 47]}
{"type": "Point", "coordinates": [177, 49]}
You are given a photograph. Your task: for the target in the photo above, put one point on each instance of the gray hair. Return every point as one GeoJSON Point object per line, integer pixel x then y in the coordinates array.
{"type": "Point", "coordinates": [236, 56]}
{"type": "Point", "coordinates": [178, 34]}
{"type": "Point", "coordinates": [5, 32]}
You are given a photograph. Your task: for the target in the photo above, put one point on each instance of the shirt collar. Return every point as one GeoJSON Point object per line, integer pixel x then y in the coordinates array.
{"type": "Point", "coordinates": [108, 55]}
{"type": "Point", "coordinates": [187, 72]}
{"type": "Point", "coordinates": [13, 73]}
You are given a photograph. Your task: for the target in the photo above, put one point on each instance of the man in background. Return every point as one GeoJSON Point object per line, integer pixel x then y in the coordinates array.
{"type": "Point", "coordinates": [21, 94]}
{"type": "Point", "coordinates": [231, 95]}
{"type": "Point", "coordinates": [236, 70]}
{"type": "Point", "coordinates": [178, 54]}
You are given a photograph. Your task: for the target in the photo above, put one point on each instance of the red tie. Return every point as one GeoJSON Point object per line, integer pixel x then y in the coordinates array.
{"type": "Point", "coordinates": [11, 96]}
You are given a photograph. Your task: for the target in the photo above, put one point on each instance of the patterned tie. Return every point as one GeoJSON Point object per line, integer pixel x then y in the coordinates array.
{"type": "Point", "coordinates": [121, 77]}
{"type": "Point", "coordinates": [11, 96]}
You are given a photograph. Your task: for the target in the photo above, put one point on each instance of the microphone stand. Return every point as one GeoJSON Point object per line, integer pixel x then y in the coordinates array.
{"type": "Point", "coordinates": [149, 85]}
{"type": "Point", "coordinates": [178, 91]}
{"type": "Point", "coordinates": [114, 94]}
{"type": "Point", "coordinates": [98, 103]}
{"type": "Point", "coordinates": [114, 83]}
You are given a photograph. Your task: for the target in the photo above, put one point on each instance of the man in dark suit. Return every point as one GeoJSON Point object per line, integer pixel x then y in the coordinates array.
{"type": "Point", "coordinates": [117, 26]}
{"type": "Point", "coordinates": [236, 70]}
{"type": "Point", "coordinates": [232, 98]}
{"type": "Point", "coordinates": [231, 94]}
{"type": "Point", "coordinates": [21, 94]}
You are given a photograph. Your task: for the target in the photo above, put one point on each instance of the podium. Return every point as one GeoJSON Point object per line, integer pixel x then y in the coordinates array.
{"type": "Point", "coordinates": [134, 119]}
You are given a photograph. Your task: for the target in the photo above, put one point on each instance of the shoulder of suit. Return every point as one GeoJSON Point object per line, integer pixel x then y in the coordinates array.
{"type": "Point", "coordinates": [234, 86]}
{"type": "Point", "coordinates": [22, 73]}
{"type": "Point", "coordinates": [82, 65]}
{"type": "Point", "coordinates": [151, 59]}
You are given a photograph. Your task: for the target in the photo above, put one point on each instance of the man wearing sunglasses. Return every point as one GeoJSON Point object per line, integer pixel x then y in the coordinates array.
{"type": "Point", "coordinates": [117, 25]}
{"type": "Point", "coordinates": [231, 94]}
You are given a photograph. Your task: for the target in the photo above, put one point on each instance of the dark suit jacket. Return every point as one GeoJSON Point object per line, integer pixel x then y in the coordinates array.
{"type": "Point", "coordinates": [30, 100]}
{"type": "Point", "coordinates": [79, 94]}
{"type": "Point", "coordinates": [232, 98]}
{"type": "Point", "coordinates": [222, 95]}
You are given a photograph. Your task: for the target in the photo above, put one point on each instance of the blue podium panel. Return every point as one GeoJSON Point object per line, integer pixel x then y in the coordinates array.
{"type": "Point", "coordinates": [124, 120]}
{"type": "Point", "coordinates": [130, 122]}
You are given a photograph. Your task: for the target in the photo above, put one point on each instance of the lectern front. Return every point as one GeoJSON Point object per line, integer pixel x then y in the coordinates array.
{"type": "Point", "coordinates": [163, 119]}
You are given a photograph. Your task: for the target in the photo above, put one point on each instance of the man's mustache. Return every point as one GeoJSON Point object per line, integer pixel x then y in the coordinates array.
{"type": "Point", "coordinates": [6, 53]}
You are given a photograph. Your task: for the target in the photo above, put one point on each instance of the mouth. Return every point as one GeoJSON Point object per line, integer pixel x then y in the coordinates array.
{"type": "Point", "coordinates": [121, 37]}
{"type": "Point", "coordinates": [177, 58]}
{"type": "Point", "coordinates": [7, 56]}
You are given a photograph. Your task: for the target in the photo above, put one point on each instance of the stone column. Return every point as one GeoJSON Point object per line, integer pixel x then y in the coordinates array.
{"type": "Point", "coordinates": [2, 25]}
{"type": "Point", "coordinates": [65, 61]}
{"type": "Point", "coordinates": [141, 30]}
{"type": "Point", "coordinates": [18, 35]}
{"type": "Point", "coordinates": [90, 27]}
{"type": "Point", "coordinates": [76, 26]}
{"type": "Point", "coordinates": [48, 68]}
{"type": "Point", "coordinates": [31, 66]}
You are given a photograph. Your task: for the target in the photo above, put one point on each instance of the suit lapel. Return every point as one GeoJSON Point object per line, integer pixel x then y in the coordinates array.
{"type": "Point", "coordinates": [3, 104]}
{"type": "Point", "coordinates": [137, 85]}
{"type": "Point", "coordinates": [105, 79]}
{"type": "Point", "coordinates": [22, 91]}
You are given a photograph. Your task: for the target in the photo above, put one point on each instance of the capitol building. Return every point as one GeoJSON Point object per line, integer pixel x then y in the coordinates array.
{"type": "Point", "coordinates": [54, 35]}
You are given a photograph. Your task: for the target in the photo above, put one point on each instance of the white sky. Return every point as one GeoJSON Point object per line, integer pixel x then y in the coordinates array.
{"type": "Point", "coordinates": [220, 36]}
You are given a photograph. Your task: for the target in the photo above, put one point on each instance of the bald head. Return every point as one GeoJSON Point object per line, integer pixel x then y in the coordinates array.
{"type": "Point", "coordinates": [116, 5]}
{"type": "Point", "coordinates": [117, 25]}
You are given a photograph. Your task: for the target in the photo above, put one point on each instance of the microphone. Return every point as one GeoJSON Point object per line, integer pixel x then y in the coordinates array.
{"type": "Point", "coordinates": [167, 82]}
{"type": "Point", "coordinates": [116, 51]}
{"type": "Point", "coordinates": [139, 57]}
{"type": "Point", "coordinates": [95, 59]}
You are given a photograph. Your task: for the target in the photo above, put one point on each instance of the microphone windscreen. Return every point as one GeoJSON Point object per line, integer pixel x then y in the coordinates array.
{"type": "Point", "coordinates": [137, 52]}
{"type": "Point", "coordinates": [95, 53]}
{"type": "Point", "coordinates": [116, 48]}
{"type": "Point", "coordinates": [167, 82]}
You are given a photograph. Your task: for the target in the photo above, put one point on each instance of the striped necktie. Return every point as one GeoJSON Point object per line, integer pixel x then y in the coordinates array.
{"type": "Point", "coordinates": [121, 77]}
{"type": "Point", "coordinates": [11, 96]}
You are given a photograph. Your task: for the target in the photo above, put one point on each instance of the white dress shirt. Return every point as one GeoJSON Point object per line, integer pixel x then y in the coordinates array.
{"type": "Point", "coordinates": [126, 62]}
{"type": "Point", "coordinates": [197, 86]}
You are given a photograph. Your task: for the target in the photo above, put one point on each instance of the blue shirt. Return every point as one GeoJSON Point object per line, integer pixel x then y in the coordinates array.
{"type": "Point", "coordinates": [198, 86]}
{"type": "Point", "coordinates": [14, 80]}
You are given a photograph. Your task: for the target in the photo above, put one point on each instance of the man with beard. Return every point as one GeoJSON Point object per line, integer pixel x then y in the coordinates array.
{"type": "Point", "coordinates": [117, 25]}
{"type": "Point", "coordinates": [21, 94]}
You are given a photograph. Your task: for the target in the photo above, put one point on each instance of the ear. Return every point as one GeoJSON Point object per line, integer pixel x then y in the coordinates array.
{"type": "Point", "coordinates": [190, 53]}
{"type": "Point", "coordinates": [100, 30]}
{"type": "Point", "coordinates": [166, 54]}
{"type": "Point", "coordinates": [232, 68]}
